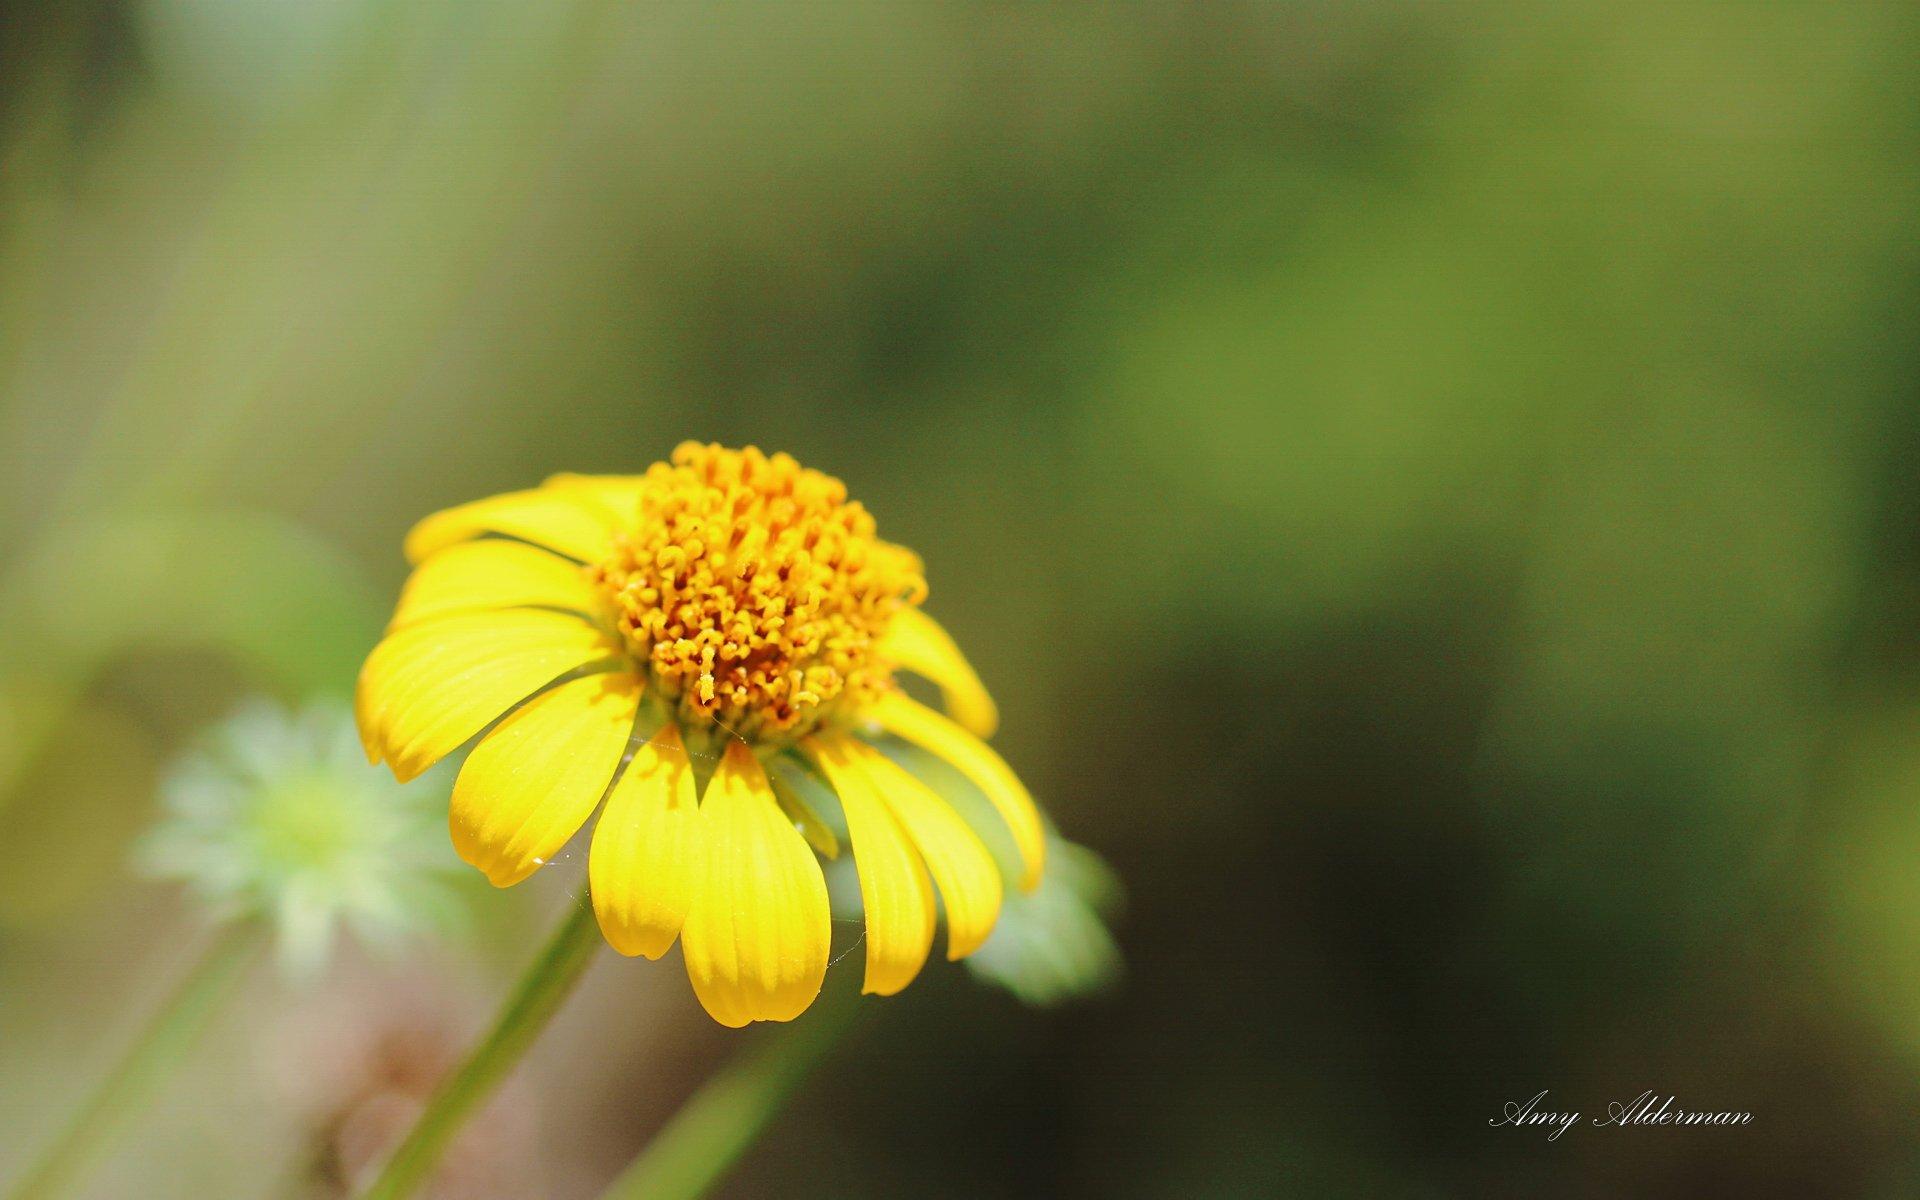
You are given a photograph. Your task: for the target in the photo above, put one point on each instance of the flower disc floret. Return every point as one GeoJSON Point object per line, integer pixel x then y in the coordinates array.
{"type": "Point", "coordinates": [755, 592]}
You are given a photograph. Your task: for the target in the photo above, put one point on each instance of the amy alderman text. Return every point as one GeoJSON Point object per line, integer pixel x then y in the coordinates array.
{"type": "Point", "coordinates": [1644, 1109]}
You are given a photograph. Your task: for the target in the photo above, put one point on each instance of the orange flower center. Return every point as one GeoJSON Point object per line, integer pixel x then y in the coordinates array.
{"type": "Point", "coordinates": [753, 592]}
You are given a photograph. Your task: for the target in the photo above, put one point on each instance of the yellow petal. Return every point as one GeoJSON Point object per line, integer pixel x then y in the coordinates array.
{"type": "Point", "coordinates": [757, 934]}
{"type": "Point", "coordinates": [492, 573]}
{"type": "Point", "coordinates": [962, 867]}
{"type": "Point", "coordinates": [567, 520]}
{"type": "Point", "coordinates": [428, 688]}
{"type": "Point", "coordinates": [905, 717]}
{"type": "Point", "coordinates": [620, 494]}
{"type": "Point", "coordinates": [647, 849]}
{"type": "Point", "coordinates": [791, 785]}
{"type": "Point", "coordinates": [894, 888]}
{"type": "Point", "coordinates": [532, 782]}
{"type": "Point", "coordinates": [918, 643]}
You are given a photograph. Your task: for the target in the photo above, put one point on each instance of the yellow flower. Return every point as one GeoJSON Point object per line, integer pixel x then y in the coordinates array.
{"type": "Point", "coordinates": [735, 620]}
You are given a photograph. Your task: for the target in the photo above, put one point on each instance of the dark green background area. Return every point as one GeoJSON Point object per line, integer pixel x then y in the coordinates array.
{"type": "Point", "coordinates": [1432, 488]}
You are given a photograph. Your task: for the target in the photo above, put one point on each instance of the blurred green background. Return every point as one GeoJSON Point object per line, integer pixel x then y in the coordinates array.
{"type": "Point", "coordinates": [1431, 487]}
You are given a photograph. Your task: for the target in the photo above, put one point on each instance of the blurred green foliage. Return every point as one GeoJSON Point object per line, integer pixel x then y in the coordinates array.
{"type": "Point", "coordinates": [1430, 486]}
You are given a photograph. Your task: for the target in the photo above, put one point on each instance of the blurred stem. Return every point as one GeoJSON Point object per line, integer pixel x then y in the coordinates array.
{"type": "Point", "coordinates": [160, 1047]}
{"type": "Point", "coordinates": [535, 999]}
{"type": "Point", "coordinates": [721, 1120]}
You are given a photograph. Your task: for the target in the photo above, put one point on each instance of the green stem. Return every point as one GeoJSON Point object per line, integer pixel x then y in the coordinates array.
{"type": "Point", "coordinates": [535, 999]}
{"type": "Point", "coordinates": [168, 1035]}
{"type": "Point", "coordinates": [721, 1120]}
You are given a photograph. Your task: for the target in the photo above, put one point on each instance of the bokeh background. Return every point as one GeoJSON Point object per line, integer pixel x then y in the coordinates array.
{"type": "Point", "coordinates": [1432, 488]}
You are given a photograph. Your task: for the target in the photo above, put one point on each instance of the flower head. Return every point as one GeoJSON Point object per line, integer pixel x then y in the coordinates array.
{"type": "Point", "coordinates": [275, 813]}
{"type": "Point", "coordinates": [709, 650]}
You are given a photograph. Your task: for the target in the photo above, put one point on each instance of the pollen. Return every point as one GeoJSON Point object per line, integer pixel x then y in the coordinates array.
{"type": "Point", "coordinates": [754, 593]}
